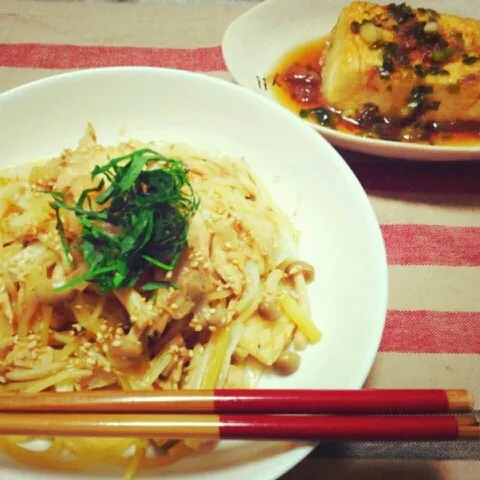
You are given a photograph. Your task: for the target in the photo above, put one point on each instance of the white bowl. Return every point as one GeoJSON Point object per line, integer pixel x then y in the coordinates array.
{"type": "Point", "coordinates": [256, 40]}
{"type": "Point", "coordinates": [340, 235]}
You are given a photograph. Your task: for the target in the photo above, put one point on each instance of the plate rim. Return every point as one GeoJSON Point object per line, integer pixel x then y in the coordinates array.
{"type": "Point", "coordinates": [293, 456]}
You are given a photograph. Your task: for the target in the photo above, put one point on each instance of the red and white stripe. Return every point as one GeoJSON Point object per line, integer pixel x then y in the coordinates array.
{"type": "Point", "coordinates": [429, 215]}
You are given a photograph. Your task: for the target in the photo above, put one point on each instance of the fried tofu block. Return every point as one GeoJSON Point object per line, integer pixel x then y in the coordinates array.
{"type": "Point", "coordinates": [405, 61]}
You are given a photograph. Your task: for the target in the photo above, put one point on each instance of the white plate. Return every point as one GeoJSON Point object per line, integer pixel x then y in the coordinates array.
{"type": "Point", "coordinates": [256, 40]}
{"type": "Point", "coordinates": [341, 237]}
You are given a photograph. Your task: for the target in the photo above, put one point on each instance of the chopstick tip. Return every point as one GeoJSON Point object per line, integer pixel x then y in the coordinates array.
{"type": "Point", "coordinates": [460, 400]}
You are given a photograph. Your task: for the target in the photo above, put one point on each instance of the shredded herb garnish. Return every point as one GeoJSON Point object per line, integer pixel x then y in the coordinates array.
{"type": "Point", "coordinates": [139, 219]}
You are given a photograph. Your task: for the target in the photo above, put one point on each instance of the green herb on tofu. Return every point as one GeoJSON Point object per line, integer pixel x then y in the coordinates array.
{"type": "Point", "coordinates": [135, 218]}
{"type": "Point", "coordinates": [418, 100]}
{"type": "Point", "coordinates": [453, 88]}
{"type": "Point", "coordinates": [469, 59]}
{"type": "Point", "coordinates": [421, 71]}
{"type": "Point", "coordinates": [355, 27]}
{"type": "Point", "coordinates": [401, 13]}
{"type": "Point", "coordinates": [443, 54]}
{"type": "Point", "coordinates": [392, 55]}
{"type": "Point", "coordinates": [323, 116]}
{"type": "Point", "coordinates": [432, 40]}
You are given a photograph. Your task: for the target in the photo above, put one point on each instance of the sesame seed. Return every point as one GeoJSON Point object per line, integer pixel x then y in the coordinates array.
{"type": "Point", "coordinates": [107, 368]}
{"type": "Point", "coordinates": [34, 355]}
{"type": "Point", "coordinates": [32, 345]}
{"type": "Point", "coordinates": [168, 275]}
{"type": "Point", "coordinates": [103, 328]}
{"type": "Point", "coordinates": [190, 353]}
{"type": "Point", "coordinates": [3, 379]}
{"type": "Point", "coordinates": [116, 343]}
{"type": "Point", "coordinates": [91, 361]}
{"type": "Point", "coordinates": [105, 348]}
{"type": "Point", "coordinates": [212, 328]}
{"type": "Point", "coordinates": [32, 337]}
{"type": "Point", "coordinates": [99, 336]}
{"type": "Point", "coordinates": [194, 263]}
{"type": "Point", "coordinates": [198, 328]}
{"type": "Point", "coordinates": [87, 345]}
{"type": "Point", "coordinates": [119, 331]}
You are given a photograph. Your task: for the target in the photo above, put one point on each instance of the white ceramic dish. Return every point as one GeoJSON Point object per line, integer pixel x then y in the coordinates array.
{"type": "Point", "coordinates": [341, 237]}
{"type": "Point", "coordinates": [256, 40]}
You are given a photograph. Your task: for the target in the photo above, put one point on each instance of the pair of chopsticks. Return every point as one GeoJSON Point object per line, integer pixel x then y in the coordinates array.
{"type": "Point", "coordinates": [387, 415]}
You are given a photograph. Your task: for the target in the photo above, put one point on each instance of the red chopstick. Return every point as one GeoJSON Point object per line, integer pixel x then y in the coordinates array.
{"type": "Point", "coordinates": [257, 427]}
{"type": "Point", "coordinates": [244, 401]}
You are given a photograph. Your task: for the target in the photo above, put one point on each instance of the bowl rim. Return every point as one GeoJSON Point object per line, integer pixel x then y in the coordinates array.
{"type": "Point", "coordinates": [291, 457]}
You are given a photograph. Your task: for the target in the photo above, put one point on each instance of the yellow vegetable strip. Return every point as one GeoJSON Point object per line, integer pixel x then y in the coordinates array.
{"type": "Point", "coordinates": [136, 459]}
{"type": "Point", "coordinates": [39, 385]}
{"type": "Point", "coordinates": [216, 351]}
{"type": "Point", "coordinates": [297, 315]}
{"type": "Point", "coordinates": [46, 460]}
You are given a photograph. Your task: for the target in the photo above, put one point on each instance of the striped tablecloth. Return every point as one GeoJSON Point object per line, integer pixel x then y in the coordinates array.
{"type": "Point", "coordinates": [429, 213]}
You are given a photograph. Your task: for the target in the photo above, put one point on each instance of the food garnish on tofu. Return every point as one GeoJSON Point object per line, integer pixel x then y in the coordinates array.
{"type": "Point", "coordinates": [389, 71]}
{"type": "Point", "coordinates": [404, 61]}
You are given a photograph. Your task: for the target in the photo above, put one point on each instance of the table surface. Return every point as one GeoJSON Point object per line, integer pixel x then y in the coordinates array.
{"type": "Point", "coordinates": [429, 214]}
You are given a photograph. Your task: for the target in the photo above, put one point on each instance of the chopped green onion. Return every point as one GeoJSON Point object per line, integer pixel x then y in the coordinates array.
{"type": "Point", "coordinates": [443, 54]}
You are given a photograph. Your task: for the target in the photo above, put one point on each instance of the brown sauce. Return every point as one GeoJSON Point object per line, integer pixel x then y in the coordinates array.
{"type": "Point", "coordinates": [295, 82]}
